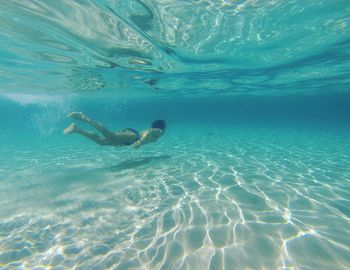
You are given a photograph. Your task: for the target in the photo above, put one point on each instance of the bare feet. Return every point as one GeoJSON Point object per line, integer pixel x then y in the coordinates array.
{"type": "Point", "coordinates": [70, 129]}
{"type": "Point", "coordinates": [77, 115]}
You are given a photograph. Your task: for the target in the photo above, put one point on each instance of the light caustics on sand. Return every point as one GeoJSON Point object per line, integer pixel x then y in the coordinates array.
{"type": "Point", "coordinates": [217, 210]}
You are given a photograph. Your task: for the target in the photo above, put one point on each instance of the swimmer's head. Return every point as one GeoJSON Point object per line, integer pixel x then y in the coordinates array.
{"type": "Point", "coordinates": [159, 124]}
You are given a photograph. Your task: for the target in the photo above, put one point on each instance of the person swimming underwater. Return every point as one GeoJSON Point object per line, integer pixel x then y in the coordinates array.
{"type": "Point", "coordinates": [126, 137]}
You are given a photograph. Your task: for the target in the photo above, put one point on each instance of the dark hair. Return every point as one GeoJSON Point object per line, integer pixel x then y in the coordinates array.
{"type": "Point", "coordinates": [159, 124]}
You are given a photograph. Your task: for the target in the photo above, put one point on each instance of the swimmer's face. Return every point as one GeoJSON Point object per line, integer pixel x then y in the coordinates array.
{"type": "Point", "coordinates": [158, 132]}
{"type": "Point", "coordinates": [155, 133]}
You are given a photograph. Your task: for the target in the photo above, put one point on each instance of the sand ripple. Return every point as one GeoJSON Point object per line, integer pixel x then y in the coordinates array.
{"type": "Point", "coordinates": [273, 201]}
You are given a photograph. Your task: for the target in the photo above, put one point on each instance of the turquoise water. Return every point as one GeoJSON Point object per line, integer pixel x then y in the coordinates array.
{"type": "Point", "coordinates": [253, 171]}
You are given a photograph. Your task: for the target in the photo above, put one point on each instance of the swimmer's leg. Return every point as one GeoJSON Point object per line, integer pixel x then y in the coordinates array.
{"type": "Point", "coordinates": [72, 128]}
{"type": "Point", "coordinates": [82, 117]}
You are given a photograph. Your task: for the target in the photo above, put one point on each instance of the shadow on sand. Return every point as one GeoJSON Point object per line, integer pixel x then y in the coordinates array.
{"type": "Point", "coordinates": [130, 164]}
{"type": "Point", "coordinates": [63, 179]}
{"type": "Point", "coordinates": [134, 163]}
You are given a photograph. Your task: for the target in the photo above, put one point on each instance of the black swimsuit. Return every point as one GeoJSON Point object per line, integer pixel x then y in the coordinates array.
{"type": "Point", "coordinates": [135, 132]}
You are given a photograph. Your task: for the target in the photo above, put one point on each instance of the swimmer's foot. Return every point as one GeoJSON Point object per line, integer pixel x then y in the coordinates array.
{"type": "Point", "coordinates": [70, 129]}
{"type": "Point", "coordinates": [77, 115]}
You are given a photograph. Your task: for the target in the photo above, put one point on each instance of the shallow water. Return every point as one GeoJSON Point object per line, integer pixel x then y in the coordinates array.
{"type": "Point", "coordinates": [208, 195]}
{"type": "Point", "coordinates": [253, 171]}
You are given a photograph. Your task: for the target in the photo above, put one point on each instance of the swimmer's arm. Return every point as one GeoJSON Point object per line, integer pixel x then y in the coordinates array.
{"type": "Point", "coordinates": [141, 141]}
{"type": "Point", "coordinates": [146, 137]}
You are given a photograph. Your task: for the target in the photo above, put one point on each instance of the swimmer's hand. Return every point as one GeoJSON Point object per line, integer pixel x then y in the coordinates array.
{"type": "Point", "coordinates": [136, 144]}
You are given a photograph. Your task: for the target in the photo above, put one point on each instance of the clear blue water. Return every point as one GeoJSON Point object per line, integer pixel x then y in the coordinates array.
{"type": "Point", "coordinates": [252, 173]}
